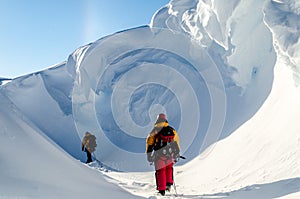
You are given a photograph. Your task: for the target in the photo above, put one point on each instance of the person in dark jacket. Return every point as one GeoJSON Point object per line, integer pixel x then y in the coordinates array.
{"type": "Point", "coordinates": [89, 145]}
{"type": "Point", "coordinates": [162, 148]}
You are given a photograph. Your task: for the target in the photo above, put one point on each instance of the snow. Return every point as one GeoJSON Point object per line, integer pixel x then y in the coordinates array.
{"type": "Point", "coordinates": [32, 166]}
{"type": "Point", "coordinates": [226, 74]}
{"type": "Point", "coordinates": [4, 81]}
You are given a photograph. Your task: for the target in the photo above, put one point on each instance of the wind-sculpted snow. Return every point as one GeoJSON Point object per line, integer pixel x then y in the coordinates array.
{"type": "Point", "coordinates": [126, 79]}
{"type": "Point", "coordinates": [234, 34]}
{"type": "Point", "coordinates": [208, 66]}
{"type": "Point", "coordinates": [33, 166]}
{"type": "Point", "coordinates": [45, 98]}
{"type": "Point", "coordinates": [283, 19]}
{"type": "Point", "coordinates": [210, 69]}
{"type": "Point", "coordinates": [237, 39]}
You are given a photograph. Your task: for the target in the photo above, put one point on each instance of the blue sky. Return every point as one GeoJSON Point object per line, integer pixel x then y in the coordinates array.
{"type": "Point", "coordinates": [37, 34]}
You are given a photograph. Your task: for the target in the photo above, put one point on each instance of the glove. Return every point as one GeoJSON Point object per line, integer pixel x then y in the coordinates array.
{"type": "Point", "coordinates": [176, 157]}
{"type": "Point", "coordinates": [150, 157]}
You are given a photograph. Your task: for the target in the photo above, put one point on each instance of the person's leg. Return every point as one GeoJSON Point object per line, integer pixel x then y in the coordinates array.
{"type": "Point", "coordinates": [160, 175]}
{"type": "Point", "coordinates": [160, 180]}
{"type": "Point", "coordinates": [89, 157]}
{"type": "Point", "coordinates": [169, 174]}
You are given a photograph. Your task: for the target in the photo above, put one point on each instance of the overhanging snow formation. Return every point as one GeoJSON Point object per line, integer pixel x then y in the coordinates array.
{"type": "Point", "coordinates": [126, 79]}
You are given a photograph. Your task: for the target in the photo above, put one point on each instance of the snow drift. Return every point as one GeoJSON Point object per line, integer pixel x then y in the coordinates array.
{"type": "Point", "coordinates": [32, 166]}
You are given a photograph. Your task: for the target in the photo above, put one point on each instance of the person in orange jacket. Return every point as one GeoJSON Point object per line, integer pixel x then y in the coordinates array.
{"type": "Point", "coordinates": [162, 148]}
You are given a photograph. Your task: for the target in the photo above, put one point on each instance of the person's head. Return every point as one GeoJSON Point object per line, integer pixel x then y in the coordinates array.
{"type": "Point", "coordinates": [161, 118]}
{"type": "Point", "coordinates": [87, 133]}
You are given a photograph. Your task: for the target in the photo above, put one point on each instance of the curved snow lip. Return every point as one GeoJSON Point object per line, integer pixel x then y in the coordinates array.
{"type": "Point", "coordinates": [127, 78]}
{"type": "Point", "coordinates": [4, 81]}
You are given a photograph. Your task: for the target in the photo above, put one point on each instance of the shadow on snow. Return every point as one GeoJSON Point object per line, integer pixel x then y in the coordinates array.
{"type": "Point", "coordinates": [266, 191]}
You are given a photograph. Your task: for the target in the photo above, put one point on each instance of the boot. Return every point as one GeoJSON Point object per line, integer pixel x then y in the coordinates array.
{"type": "Point", "coordinates": [168, 187]}
{"type": "Point", "coordinates": [162, 192]}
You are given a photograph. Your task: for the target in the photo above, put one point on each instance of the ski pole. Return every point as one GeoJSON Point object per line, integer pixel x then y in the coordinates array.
{"type": "Point", "coordinates": [176, 194]}
{"type": "Point", "coordinates": [177, 159]}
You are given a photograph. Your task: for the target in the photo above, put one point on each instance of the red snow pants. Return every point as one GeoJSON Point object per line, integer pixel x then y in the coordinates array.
{"type": "Point", "coordinates": [163, 172]}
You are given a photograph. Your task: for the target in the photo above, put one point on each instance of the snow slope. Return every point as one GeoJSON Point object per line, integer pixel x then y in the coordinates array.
{"type": "Point", "coordinates": [262, 153]}
{"type": "Point", "coordinates": [226, 74]}
{"type": "Point", "coordinates": [44, 98]}
{"type": "Point", "coordinates": [32, 166]}
{"type": "Point", "coordinates": [261, 158]}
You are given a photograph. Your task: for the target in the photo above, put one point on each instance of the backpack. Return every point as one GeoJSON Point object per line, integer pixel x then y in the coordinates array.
{"type": "Point", "coordinates": [165, 144]}
{"type": "Point", "coordinates": [91, 143]}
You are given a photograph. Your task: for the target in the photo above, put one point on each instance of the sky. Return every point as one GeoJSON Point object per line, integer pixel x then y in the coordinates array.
{"type": "Point", "coordinates": [38, 34]}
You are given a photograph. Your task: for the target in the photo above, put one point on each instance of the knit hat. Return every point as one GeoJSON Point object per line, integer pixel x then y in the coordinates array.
{"type": "Point", "coordinates": [162, 116]}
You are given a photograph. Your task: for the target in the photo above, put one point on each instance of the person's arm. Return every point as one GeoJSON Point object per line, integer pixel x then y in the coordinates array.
{"type": "Point", "coordinates": [150, 143]}
{"type": "Point", "coordinates": [83, 143]}
{"type": "Point", "coordinates": [150, 146]}
{"type": "Point", "coordinates": [176, 139]}
{"type": "Point", "coordinates": [177, 145]}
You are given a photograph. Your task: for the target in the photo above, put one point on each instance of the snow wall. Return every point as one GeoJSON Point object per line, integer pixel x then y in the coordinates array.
{"type": "Point", "coordinates": [209, 67]}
